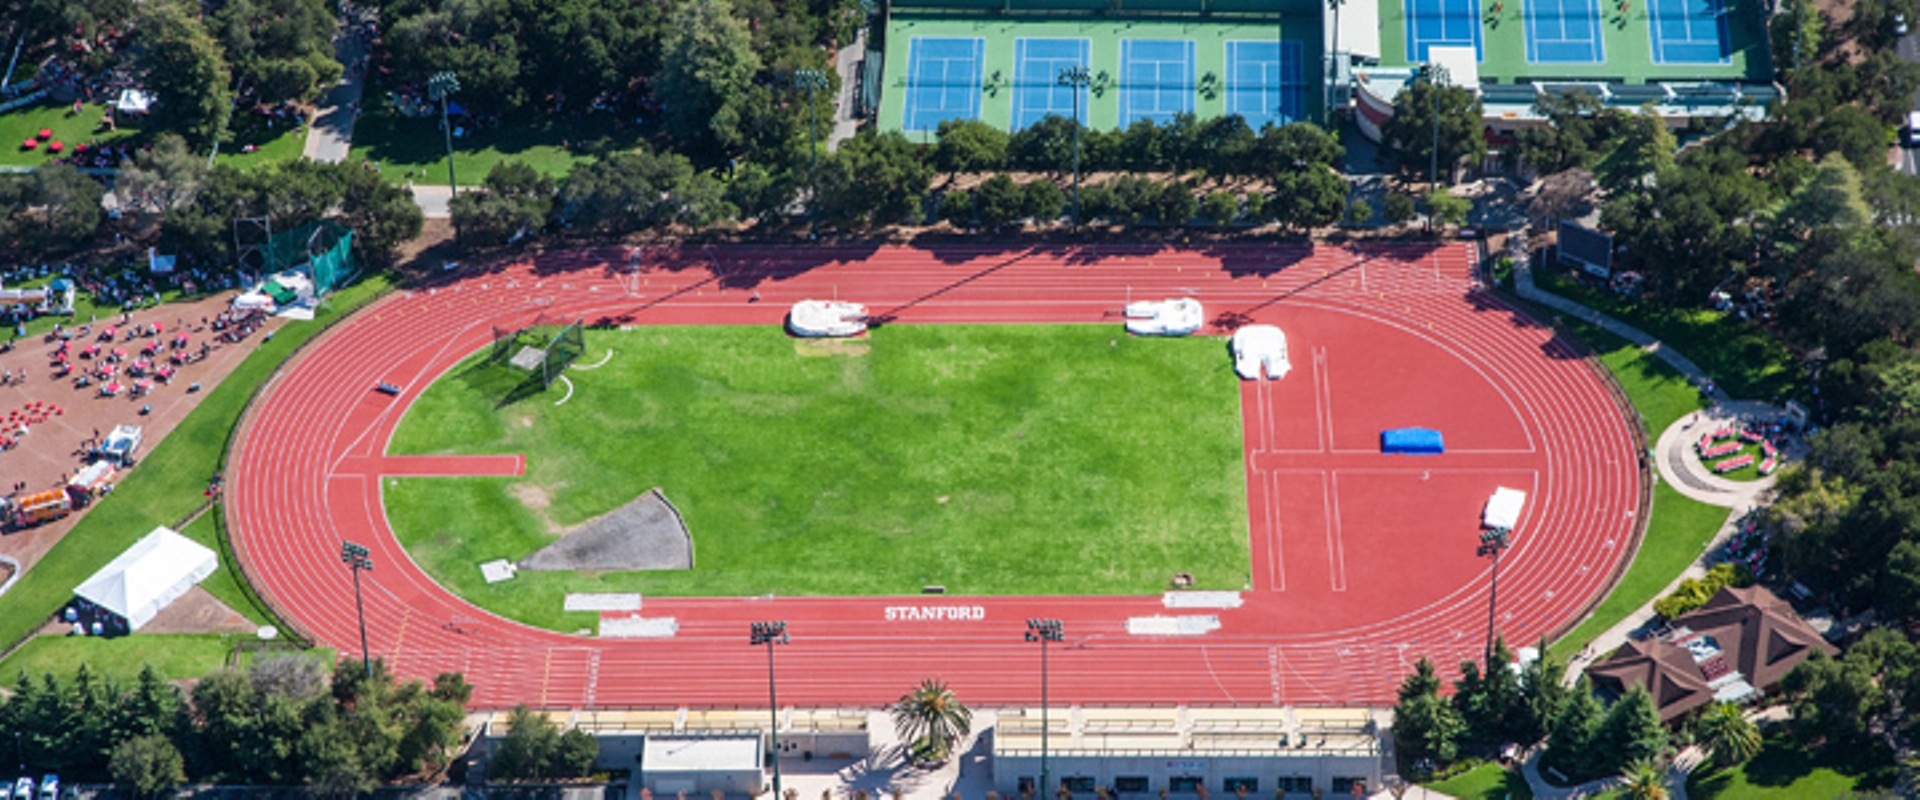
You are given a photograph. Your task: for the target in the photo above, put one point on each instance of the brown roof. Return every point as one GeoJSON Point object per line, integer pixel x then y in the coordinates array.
{"type": "Point", "coordinates": [1758, 634]}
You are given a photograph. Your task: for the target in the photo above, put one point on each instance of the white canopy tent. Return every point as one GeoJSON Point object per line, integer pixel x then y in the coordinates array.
{"type": "Point", "coordinates": [133, 101]}
{"type": "Point", "coordinates": [152, 573]}
{"type": "Point", "coordinates": [1503, 509]}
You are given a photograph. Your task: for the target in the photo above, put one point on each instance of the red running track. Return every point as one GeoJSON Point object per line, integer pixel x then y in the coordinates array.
{"type": "Point", "coordinates": [1361, 562]}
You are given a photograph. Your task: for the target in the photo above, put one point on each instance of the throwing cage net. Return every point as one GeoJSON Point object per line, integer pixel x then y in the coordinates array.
{"type": "Point", "coordinates": [543, 348]}
{"type": "Point", "coordinates": [324, 246]}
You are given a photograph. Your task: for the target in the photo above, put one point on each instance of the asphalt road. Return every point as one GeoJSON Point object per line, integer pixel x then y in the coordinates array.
{"type": "Point", "coordinates": [1909, 48]}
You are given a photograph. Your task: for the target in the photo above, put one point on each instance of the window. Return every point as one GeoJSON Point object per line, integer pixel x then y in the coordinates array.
{"type": "Point", "coordinates": [1184, 785]}
{"type": "Point", "coordinates": [1296, 784]}
{"type": "Point", "coordinates": [1078, 784]}
{"type": "Point", "coordinates": [1347, 785]}
{"type": "Point", "coordinates": [1238, 785]}
{"type": "Point", "coordinates": [1025, 784]}
{"type": "Point", "coordinates": [1131, 783]}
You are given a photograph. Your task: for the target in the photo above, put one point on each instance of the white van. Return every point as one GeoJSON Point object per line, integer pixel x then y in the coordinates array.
{"type": "Point", "coordinates": [1912, 133]}
{"type": "Point", "coordinates": [50, 787]}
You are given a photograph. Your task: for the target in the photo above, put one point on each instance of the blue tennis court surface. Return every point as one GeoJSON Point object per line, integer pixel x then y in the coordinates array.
{"type": "Point", "coordinates": [1564, 32]}
{"type": "Point", "coordinates": [1037, 92]}
{"type": "Point", "coordinates": [1156, 79]}
{"type": "Point", "coordinates": [943, 81]}
{"type": "Point", "coordinates": [1442, 23]}
{"type": "Point", "coordinates": [1265, 82]}
{"type": "Point", "coordinates": [1688, 31]}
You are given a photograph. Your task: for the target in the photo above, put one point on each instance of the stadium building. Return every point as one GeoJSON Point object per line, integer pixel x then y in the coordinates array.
{"type": "Point", "coordinates": [1001, 60]}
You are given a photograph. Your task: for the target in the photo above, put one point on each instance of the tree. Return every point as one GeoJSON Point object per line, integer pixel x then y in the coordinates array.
{"type": "Point", "coordinates": [1577, 132]}
{"type": "Point", "coordinates": [1220, 207]}
{"type": "Point", "coordinates": [162, 178]}
{"type": "Point", "coordinates": [1295, 146]}
{"type": "Point", "coordinates": [1491, 703]}
{"type": "Point", "coordinates": [1575, 732]}
{"type": "Point", "coordinates": [182, 65]}
{"type": "Point", "coordinates": [1727, 732]}
{"type": "Point", "coordinates": [1631, 730]}
{"type": "Point", "coordinates": [1448, 209]}
{"type": "Point", "coordinates": [1409, 135]}
{"type": "Point", "coordinates": [1398, 208]}
{"type": "Point", "coordinates": [70, 204]}
{"type": "Point", "coordinates": [708, 62]}
{"type": "Point", "coordinates": [1042, 201]}
{"type": "Point", "coordinates": [1541, 697]}
{"type": "Point", "coordinates": [969, 145]}
{"type": "Point", "coordinates": [1835, 700]}
{"type": "Point", "coordinates": [956, 207]}
{"type": "Point", "coordinates": [1175, 204]}
{"type": "Point", "coordinates": [1831, 198]}
{"type": "Point", "coordinates": [997, 201]}
{"type": "Point", "coordinates": [932, 719]}
{"type": "Point", "coordinates": [382, 215]}
{"type": "Point", "coordinates": [528, 748]}
{"type": "Point", "coordinates": [1359, 212]}
{"type": "Point", "coordinates": [1044, 146]}
{"type": "Point", "coordinates": [147, 765]}
{"type": "Point", "coordinates": [281, 49]}
{"type": "Point", "coordinates": [1562, 195]}
{"type": "Point", "coordinates": [1643, 779]}
{"type": "Point", "coordinates": [639, 189]}
{"type": "Point", "coordinates": [575, 754]}
{"type": "Point", "coordinates": [517, 199]}
{"type": "Point", "coordinates": [1309, 198]}
{"type": "Point", "coordinates": [1853, 133]}
{"type": "Point", "coordinates": [1223, 145]}
{"type": "Point", "coordinates": [1644, 150]}
{"type": "Point", "coordinates": [1425, 726]}
{"type": "Point", "coordinates": [873, 179]}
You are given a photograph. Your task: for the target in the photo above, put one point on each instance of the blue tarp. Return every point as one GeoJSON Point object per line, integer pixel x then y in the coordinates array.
{"type": "Point", "coordinates": [1412, 442]}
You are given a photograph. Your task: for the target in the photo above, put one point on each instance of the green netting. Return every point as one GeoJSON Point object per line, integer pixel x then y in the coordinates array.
{"type": "Point", "coordinates": [562, 350]}
{"type": "Point", "coordinates": [542, 349]}
{"type": "Point", "coordinates": [324, 246]}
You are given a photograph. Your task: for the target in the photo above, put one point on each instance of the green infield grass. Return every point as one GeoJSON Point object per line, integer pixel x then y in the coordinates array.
{"type": "Point", "coordinates": [988, 459]}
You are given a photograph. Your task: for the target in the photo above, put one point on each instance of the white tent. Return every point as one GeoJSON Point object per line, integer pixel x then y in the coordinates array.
{"type": "Point", "coordinates": [1503, 509]}
{"type": "Point", "coordinates": [133, 101]}
{"type": "Point", "coordinates": [153, 572]}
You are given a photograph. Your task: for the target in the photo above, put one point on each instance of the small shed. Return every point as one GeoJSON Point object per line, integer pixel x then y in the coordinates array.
{"type": "Point", "coordinates": [699, 765]}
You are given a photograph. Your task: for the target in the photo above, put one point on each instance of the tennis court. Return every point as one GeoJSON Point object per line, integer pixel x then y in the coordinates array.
{"type": "Point", "coordinates": [1156, 79]}
{"type": "Point", "coordinates": [943, 81]}
{"type": "Point", "coordinates": [1037, 92]}
{"type": "Point", "coordinates": [1564, 32]}
{"type": "Point", "coordinates": [1265, 82]}
{"type": "Point", "coordinates": [1688, 31]}
{"type": "Point", "coordinates": [1442, 23]}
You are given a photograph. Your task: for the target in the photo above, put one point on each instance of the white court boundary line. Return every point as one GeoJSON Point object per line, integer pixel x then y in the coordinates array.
{"type": "Point", "coordinates": [595, 365]}
{"type": "Point", "coordinates": [569, 396]}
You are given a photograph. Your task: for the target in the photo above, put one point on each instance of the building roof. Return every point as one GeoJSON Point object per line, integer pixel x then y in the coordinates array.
{"type": "Point", "coordinates": [701, 754]}
{"type": "Point", "coordinates": [1740, 638]}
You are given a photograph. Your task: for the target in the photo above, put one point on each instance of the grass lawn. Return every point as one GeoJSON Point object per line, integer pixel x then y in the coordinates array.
{"type": "Point", "coordinates": [1786, 771]}
{"type": "Point", "coordinates": [400, 144]}
{"type": "Point", "coordinates": [273, 145]}
{"type": "Point", "coordinates": [165, 487]}
{"type": "Point", "coordinates": [1747, 361]}
{"type": "Point", "coordinates": [1485, 782]}
{"type": "Point", "coordinates": [989, 459]}
{"type": "Point", "coordinates": [226, 583]}
{"type": "Point", "coordinates": [173, 655]}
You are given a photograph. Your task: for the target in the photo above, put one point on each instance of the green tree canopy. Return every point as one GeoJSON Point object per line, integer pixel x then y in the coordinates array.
{"type": "Point", "coordinates": [185, 69]}
{"type": "Point", "coordinates": [1411, 137]}
{"type": "Point", "coordinates": [708, 61]}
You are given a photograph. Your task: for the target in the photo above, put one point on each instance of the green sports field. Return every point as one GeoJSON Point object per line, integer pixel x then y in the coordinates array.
{"type": "Point", "coordinates": [1006, 459]}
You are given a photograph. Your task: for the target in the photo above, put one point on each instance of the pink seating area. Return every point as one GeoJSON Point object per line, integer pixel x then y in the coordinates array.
{"type": "Point", "coordinates": [1751, 436]}
{"type": "Point", "coordinates": [1768, 466]}
{"type": "Point", "coordinates": [1719, 450]}
{"type": "Point", "coordinates": [1732, 464]}
{"type": "Point", "coordinates": [1767, 449]}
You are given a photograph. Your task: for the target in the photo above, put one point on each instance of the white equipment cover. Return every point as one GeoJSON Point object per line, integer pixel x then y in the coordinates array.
{"type": "Point", "coordinates": [1172, 317]}
{"type": "Point", "coordinates": [153, 572]}
{"type": "Point", "coordinates": [1503, 509]}
{"type": "Point", "coordinates": [825, 318]}
{"type": "Point", "coordinates": [133, 101]}
{"type": "Point", "coordinates": [1260, 351]}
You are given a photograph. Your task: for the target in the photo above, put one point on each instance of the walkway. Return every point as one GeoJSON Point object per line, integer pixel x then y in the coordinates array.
{"type": "Point", "coordinates": [1681, 469]}
{"type": "Point", "coordinates": [331, 135]}
{"type": "Point", "coordinates": [847, 62]}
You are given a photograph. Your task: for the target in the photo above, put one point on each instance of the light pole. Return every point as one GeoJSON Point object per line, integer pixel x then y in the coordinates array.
{"type": "Point", "coordinates": [1044, 631]}
{"type": "Point", "coordinates": [1333, 65]}
{"type": "Point", "coordinates": [812, 80]}
{"type": "Point", "coordinates": [356, 558]}
{"type": "Point", "coordinates": [1436, 75]}
{"type": "Point", "coordinates": [770, 634]}
{"type": "Point", "coordinates": [1491, 543]}
{"type": "Point", "coordinates": [443, 85]}
{"type": "Point", "coordinates": [1076, 79]}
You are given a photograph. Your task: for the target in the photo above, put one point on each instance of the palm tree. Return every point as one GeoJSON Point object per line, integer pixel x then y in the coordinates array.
{"type": "Point", "coordinates": [1729, 734]}
{"type": "Point", "coordinates": [932, 720]}
{"type": "Point", "coordinates": [1645, 780]}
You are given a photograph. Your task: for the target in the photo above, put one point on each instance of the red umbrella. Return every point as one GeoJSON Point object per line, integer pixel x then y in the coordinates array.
{"type": "Point", "coordinates": [46, 133]}
{"type": "Point", "coordinates": [57, 146]}
{"type": "Point", "coordinates": [30, 144]}
{"type": "Point", "coordinates": [80, 148]}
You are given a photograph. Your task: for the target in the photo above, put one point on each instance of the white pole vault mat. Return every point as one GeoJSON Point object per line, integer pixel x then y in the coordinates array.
{"type": "Point", "coordinates": [603, 602]}
{"type": "Point", "coordinates": [1173, 626]}
{"type": "Point", "coordinates": [638, 627]}
{"type": "Point", "coordinates": [1201, 600]}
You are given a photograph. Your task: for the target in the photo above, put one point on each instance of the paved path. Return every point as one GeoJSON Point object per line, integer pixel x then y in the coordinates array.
{"type": "Point", "coordinates": [331, 135]}
{"type": "Point", "coordinates": [1523, 283]}
{"type": "Point", "coordinates": [847, 63]}
{"type": "Point", "coordinates": [432, 199]}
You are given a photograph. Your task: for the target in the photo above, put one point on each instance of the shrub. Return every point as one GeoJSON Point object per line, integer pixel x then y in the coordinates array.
{"type": "Point", "coordinates": [1695, 592]}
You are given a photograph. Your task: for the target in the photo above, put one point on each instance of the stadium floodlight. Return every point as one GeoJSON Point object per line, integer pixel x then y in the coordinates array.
{"type": "Point", "coordinates": [356, 558]}
{"type": "Point", "coordinates": [1436, 77]}
{"type": "Point", "coordinates": [1492, 542]}
{"type": "Point", "coordinates": [1044, 631]}
{"type": "Point", "coordinates": [443, 85]}
{"type": "Point", "coordinates": [770, 634]}
{"type": "Point", "coordinates": [1076, 79]}
{"type": "Point", "coordinates": [812, 80]}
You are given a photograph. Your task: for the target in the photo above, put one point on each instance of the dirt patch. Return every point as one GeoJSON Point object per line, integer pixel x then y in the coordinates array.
{"type": "Point", "coordinates": [817, 348]}
{"type": "Point", "coordinates": [645, 534]}
{"type": "Point", "coordinates": [533, 496]}
{"type": "Point", "coordinates": [525, 421]}
{"type": "Point", "coordinates": [197, 611]}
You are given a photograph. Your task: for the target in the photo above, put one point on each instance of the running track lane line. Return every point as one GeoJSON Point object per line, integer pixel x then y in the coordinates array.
{"type": "Point", "coordinates": [500, 466]}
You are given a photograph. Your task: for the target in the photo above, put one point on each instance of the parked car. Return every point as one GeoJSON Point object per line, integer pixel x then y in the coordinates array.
{"type": "Point", "coordinates": [23, 788]}
{"type": "Point", "coordinates": [1899, 24]}
{"type": "Point", "coordinates": [50, 787]}
{"type": "Point", "coordinates": [6, 791]}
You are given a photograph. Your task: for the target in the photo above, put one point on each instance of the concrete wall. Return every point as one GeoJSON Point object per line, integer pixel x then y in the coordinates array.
{"type": "Point", "coordinates": [1163, 769]}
